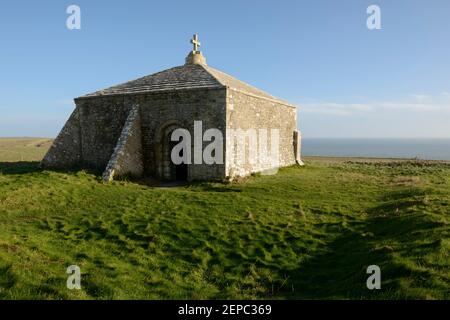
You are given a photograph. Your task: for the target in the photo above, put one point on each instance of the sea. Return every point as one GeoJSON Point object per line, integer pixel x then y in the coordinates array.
{"type": "Point", "coordinates": [427, 149]}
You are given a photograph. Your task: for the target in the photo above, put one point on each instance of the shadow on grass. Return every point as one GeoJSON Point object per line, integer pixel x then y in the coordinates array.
{"type": "Point", "coordinates": [338, 273]}
{"type": "Point", "coordinates": [215, 186]}
{"type": "Point", "coordinates": [25, 167]}
{"type": "Point", "coordinates": [7, 277]}
{"type": "Point", "coordinates": [386, 241]}
{"type": "Point", "coordinates": [19, 167]}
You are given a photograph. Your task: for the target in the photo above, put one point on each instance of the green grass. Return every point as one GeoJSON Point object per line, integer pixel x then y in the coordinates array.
{"type": "Point", "coordinates": [306, 232]}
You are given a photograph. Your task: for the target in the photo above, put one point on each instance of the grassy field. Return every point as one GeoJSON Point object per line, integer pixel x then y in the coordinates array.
{"type": "Point", "coordinates": [23, 149]}
{"type": "Point", "coordinates": [307, 232]}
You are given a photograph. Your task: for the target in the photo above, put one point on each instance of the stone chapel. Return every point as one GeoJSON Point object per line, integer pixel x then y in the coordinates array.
{"type": "Point", "coordinates": [125, 130]}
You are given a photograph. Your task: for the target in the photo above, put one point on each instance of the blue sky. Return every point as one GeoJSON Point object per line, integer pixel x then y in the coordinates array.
{"type": "Point", "coordinates": [348, 81]}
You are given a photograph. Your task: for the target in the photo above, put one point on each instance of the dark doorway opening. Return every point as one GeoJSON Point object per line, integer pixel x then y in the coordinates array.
{"type": "Point", "coordinates": [180, 171]}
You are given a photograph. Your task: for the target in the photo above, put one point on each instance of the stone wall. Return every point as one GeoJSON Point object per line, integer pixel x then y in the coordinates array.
{"type": "Point", "coordinates": [127, 157]}
{"type": "Point", "coordinates": [92, 133]}
{"type": "Point", "coordinates": [298, 147]}
{"type": "Point", "coordinates": [102, 120]}
{"type": "Point", "coordinates": [246, 111]}
{"type": "Point", "coordinates": [65, 151]}
{"type": "Point", "coordinates": [163, 110]}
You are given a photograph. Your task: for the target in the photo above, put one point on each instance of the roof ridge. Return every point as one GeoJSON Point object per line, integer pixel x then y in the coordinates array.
{"type": "Point", "coordinates": [184, 76]}
{"type": "Point", "coordinates": [212, 75]}
{"type": "Point", "coordinates": [243, 86]}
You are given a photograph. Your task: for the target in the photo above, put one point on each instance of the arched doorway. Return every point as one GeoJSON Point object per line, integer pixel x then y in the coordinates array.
{"type": "Point", "coordinates": [167, 169]}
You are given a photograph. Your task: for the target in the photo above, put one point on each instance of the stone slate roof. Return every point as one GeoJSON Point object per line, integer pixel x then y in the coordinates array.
{"type": "Point", "coordinates": [188, 76]}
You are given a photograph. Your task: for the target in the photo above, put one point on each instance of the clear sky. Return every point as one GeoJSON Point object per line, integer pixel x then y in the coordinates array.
{"type": "Point", "coordinates": [349, 81]}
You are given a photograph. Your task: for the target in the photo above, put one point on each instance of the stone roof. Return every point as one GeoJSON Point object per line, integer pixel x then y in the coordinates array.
{"type": "Point", "coordinates": [233, 83]}
{"type": "Point", "coordinates": [188, 76]}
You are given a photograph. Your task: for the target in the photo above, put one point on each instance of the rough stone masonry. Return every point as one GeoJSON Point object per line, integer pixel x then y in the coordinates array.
{"type": "Point", "coordinates": [126, 129]}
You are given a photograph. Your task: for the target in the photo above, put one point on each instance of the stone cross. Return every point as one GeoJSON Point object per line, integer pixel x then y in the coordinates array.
{"type": "Point", "coordinates": [195, 42]}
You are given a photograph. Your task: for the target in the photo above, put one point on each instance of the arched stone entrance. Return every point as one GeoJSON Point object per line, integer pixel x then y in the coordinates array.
{"type": "Point", "coordinates": [167, 170]}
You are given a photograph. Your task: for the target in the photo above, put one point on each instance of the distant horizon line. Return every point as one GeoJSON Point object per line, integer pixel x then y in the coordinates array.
{"type": "Point", "coordinates": [406, 138]}
{"type": "Point", "coordinates": [303, 137]}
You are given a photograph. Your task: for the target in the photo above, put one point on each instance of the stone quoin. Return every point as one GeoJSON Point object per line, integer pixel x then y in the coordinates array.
{"type": "Point", "coordinates": [126, 129]}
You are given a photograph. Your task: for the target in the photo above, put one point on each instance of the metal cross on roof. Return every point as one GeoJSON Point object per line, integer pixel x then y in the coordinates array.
{"type": "Point", "coordinates": [195, 42]}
